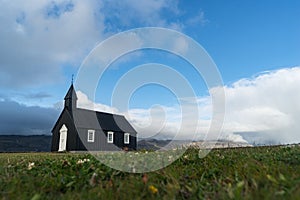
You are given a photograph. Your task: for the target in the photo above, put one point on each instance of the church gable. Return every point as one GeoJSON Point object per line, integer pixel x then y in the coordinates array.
{"type": "Point", "coordinates": [66, 120]}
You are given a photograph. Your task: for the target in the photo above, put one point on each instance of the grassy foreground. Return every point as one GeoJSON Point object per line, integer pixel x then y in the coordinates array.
{"type": "Point", "coordinates": [242, 173]}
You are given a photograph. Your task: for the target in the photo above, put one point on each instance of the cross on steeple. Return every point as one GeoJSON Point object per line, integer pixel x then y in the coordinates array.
{"type": "Point", "coordinates": [72, 79]}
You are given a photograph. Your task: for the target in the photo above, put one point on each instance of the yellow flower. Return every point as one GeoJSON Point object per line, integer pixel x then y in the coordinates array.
{"type": "Point", "coordinates": [153, 189]}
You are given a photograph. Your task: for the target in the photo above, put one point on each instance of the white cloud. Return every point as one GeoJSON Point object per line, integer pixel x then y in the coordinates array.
{"type": "Point", "coordinates": [267, 105]}
{"type": "Point", "coordinates": [159, 121]}
{"type": "Point", "coordinates": [181, 45]}
{"type": "Point", "coordinates": [140, 13]}
{"type": "Point", "coordinates": [86, 103]}
{"type": "Point", "coordinates": [112, 49]}
{"type": "Point", "coordinates": [40, 36]}
{"type": "Point", "coordinates": [198, 19]}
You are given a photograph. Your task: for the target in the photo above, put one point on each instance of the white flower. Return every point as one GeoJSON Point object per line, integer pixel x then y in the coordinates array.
{"type": "Point", "coordinates": [30, 165]}
{"type": "Point", "coordinates": [79, 161]}
{"type": "Point", "coordinates": [93, 179]}
{"type": "Point", "coordinates": [83, 161]}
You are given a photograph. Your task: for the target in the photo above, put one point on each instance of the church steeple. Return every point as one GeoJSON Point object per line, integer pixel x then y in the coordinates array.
{"type": "Point", "coordinates": [71, 99]}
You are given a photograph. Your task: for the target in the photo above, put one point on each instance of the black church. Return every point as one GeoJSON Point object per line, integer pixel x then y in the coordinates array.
{"type": "Point", "coordinates": [86, 130]}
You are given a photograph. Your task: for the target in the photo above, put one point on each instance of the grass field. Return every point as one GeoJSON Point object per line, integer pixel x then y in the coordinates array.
{"type": "Point", "coordinates": [241, 173]}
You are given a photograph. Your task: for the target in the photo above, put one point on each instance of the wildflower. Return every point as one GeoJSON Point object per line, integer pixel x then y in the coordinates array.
{"type": "Point", "coordinates": [93, 179]}
{"type": "Point", "coordinates": [83, 161]}
{"type": "Point", "coordinates": [240, 184]}
{"type": "Point", "coordinates": [153, 189]}
{"type": "Point", "coordinates": [79, 162]}
{"type": "Point", "coordinates": [145, 178]}
{"type": "Point", "coordinates": [133, 170]}
{"type": "Point", "coordinates": [110, 183]}
{"type": "Point", "coordinates": [30, 165]}
{"type": "Point", "coordinates": [66, 163]}
{"type": "Point", "coordinates": [272, 179]}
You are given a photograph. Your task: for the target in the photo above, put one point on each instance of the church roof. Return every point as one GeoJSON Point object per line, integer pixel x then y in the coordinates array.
{"type": "Point", "coordinates": [100, 120]}
{"type": "Point", "coordinates": [71, 94]}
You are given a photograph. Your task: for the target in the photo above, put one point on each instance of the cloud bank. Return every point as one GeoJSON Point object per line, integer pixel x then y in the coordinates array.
{"type": "Point", "coordinates": [266, 106]}
{"type": "Point", "coordinates": [19, 119]}
{"type": "Point", "coordinates": [40, 38]}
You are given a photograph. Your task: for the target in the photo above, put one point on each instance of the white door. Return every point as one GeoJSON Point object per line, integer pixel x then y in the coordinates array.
{"type": "Point", "coordinates": [63, 138]}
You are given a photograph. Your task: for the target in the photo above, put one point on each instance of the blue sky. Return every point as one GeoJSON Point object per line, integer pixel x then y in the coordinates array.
{"type": "Point", "coordinates": [255, 45]}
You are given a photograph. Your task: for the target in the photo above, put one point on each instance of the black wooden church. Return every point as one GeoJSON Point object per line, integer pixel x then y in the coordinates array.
{"type": "Point", "coordinates": [80, 130]}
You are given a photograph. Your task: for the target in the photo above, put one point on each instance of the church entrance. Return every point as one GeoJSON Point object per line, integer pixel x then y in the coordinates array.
{"type": "Point", "coordinates": [63, 138]}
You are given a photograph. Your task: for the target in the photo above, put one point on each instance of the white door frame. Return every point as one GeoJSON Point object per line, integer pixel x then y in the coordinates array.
{"type": "Point", "coordinates": [63, 138]}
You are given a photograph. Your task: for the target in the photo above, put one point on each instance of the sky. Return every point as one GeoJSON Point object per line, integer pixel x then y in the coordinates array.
{"type": "Point", "coordinates": [254, 44]}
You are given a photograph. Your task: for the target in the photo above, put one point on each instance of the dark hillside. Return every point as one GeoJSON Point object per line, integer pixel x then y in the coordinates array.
{"type": "Point", "coordinates": [18, 143]}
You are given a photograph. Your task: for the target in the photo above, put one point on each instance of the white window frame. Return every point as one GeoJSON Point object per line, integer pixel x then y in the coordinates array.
{"type": "Point", "coordinates": [126, 138]}
{"type": "Point", "coordinates": [108, 137]}
{"type": "Point", "coordinates": [93, 136]}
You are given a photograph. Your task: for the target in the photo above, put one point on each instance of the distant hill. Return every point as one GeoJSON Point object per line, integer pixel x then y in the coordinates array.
{"type": "Point", "coordinates": [152, 144]}
{"type": "Point", "coordinates": [18, 143]}
{"type": "Point", "coordinates": [42, 143]}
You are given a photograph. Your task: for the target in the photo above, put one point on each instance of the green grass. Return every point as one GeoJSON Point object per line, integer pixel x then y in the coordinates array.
{"type": "Point", "coordinates": [241, 173]}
